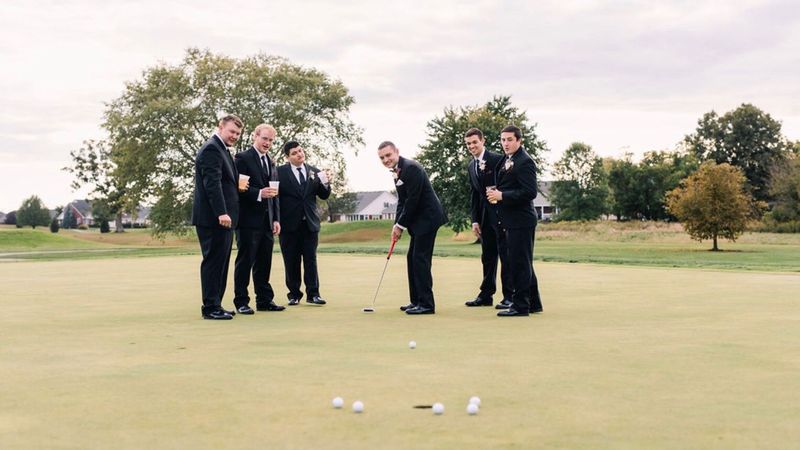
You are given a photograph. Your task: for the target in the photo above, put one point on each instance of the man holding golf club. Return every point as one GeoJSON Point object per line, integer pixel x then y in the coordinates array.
{"type": "Point", "coordinates": [420, 212]}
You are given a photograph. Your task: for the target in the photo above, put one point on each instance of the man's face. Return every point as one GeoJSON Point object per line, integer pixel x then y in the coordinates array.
{"type": "Point", "coordinates": [297, 156]}
{"type": "Point", "coordinates": [474, 145]}
{"type": "Point", "coordinates": [510, 143]}
{"type": "Point", "coordinates": [263, 142]}
{"type": "Point", "coordinates": [229, 132]}
{"type": "Point", "coordinates": [389, 156]}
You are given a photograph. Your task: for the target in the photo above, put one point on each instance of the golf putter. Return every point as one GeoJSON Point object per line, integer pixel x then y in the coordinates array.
{"type": "Point", "coordinates": [372, 308]}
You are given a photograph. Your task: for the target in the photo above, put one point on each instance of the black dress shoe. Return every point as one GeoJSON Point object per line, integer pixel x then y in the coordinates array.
{"type": "Point", "coordinates": [246, 310]}
{"type": "Point", "coordinates": [536, 311]}
{"type": "Point", "coordinates": [217, 315]}
{"type": "Point", "coordinates": [511, 312]}
{"type": "Point", "coordinates": [479, 302]}
{"type": "Point", "coordinates": [294, 301]}
{"type": "Point", "coordinates": [232, 313]}
{"type": "Point", "coordinates": [504, 304]}
{"type": "Point", "coordinates": [420, 310]}
{"type": "Point", "coordinates": [271, 306]}
{"type": "Point", "coordinates": [407, 307]}
{"type": "Point", "coordinates": [316, 300]}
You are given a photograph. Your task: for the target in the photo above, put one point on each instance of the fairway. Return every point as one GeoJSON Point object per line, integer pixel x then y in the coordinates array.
{"type": "Point", "coordinates": [113, 354]}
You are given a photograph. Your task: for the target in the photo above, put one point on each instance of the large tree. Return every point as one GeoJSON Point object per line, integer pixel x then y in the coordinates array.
{"type": "Point", "coordinates": [156, 126]}
{"type": "Point", "coordinates": [445, 157]}
{"type": "Point", "coordinates": [32, 213]}
{"type": "Point", "coordinates": [580, 189]}
{"type": "Point", "coordinates": [747, 138]}
{"type": "Point", "coordinates": [785, 189]}
{"type": "Point", "coordinates": [713, 203]}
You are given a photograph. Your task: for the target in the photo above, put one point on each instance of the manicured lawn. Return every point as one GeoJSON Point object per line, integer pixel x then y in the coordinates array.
{"type": "Point", "coordinates": [113, 354]}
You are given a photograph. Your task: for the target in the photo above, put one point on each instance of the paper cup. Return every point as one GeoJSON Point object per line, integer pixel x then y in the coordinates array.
{"type": "Point", "coordinates": [243, 179]}
{"type": "Point", "coordinates": [274, 184]}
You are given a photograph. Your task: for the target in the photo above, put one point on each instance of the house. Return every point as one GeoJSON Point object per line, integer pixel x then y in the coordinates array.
{"type": "Point", "coordinates": [2, 217]}
{"type": "Point", "coordinates": [81, 210]}
{"type": "Point", "coordinates": [544, 209]}
{"type": "Point", "coordinates": [372, 205]}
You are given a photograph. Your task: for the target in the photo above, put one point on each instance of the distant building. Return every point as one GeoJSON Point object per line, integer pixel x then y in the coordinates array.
{"type": "Point", "coordinates": [2, 217]}
{"type": "Point", "coordinates": [544, 208]}
{"type": "Point", "coordinates": [373, 205]}
{"type": "Point", "coordinates": [82, 210]}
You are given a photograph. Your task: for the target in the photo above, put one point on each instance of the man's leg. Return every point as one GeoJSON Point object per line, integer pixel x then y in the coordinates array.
{"type": "Point", "coordinates": [489, 263]}
{"type": "Point", "coordinates": [291, 260]}
{"type": "Point", "coordinates": [246, 244]}
{"type": "Point", "coordinates": [536, 300]}
{"type": "Point", "coordinates": [412, 291]}
{"type": "Point", "coordinates": [520, 252]}
{"type": "Point", "coordinates": [423, 280]}
{"type": "Point", "coordinates": [262, 268]}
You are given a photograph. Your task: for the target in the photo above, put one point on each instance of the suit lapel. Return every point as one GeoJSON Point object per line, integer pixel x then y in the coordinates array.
{"type": "Point", "coordinates": [257, 161]}
{"type": "Point", "coordinates": [226, 157]}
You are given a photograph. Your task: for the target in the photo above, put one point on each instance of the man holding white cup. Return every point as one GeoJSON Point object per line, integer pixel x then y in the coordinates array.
{"type": "Point", "coordinates": [259, 223]}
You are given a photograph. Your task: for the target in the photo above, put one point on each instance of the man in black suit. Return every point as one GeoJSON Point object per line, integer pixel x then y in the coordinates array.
{"type": "Point", "coordinates": [513, 199]}
{"type": "Point", "coordinates": [215, 213]}
{"type": "Point", "coordinates": [258, 224]}
{"type": "Point", "coordinates": [300, 185]}
{"type": "Point", "coordinates": [484, 220]}
{"type": "Point", "coordinates": [420, 212]}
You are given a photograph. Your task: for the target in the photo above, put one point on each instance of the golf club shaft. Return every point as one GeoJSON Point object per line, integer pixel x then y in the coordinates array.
{"type": "Point", "coordinates": [391, 249]}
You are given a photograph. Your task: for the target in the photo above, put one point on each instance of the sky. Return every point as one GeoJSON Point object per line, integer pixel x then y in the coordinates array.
{"type": "Point", "coordinates": [621, 76]}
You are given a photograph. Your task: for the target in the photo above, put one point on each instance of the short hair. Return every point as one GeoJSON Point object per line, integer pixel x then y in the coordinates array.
{"type": "Point", "coordinates": [263, 126]}
{"type": "Point", "coordinates": [231, 118]}
{"type": "Point", "coordinates": [474, 132]}
{"type": "Point", "coordinates": [513, 129]}
{"type": "Point", "coordinates": [287, 147]}
{"type": "Point", "coordinates": [387, 144]}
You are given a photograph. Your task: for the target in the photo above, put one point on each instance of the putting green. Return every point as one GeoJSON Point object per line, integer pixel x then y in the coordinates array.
{"type": "Point", "coordinates": [113, 354]}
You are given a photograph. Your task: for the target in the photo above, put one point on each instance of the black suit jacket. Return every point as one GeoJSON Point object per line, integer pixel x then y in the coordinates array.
{"type": "Point", "coordinates": [418, 208]}
{"type": "Point", "coordinates": [481, 211]}
{"type": "Point", "coordinates": [254, 213]}
{"type": "Point", "coordinates": [215, 185]}
{"type": "Point", "coordinates": [518, 185]}
{"type": "Point", "coordinates": [297, 202]}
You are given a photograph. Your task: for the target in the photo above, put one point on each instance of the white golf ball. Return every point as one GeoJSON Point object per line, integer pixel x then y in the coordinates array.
{"type": "Point", "coordinates": [438, 409]}
{"type": "Point", "coordinates": [472, 409]}
{"type": "Point", "coordinates": [338, 402]}
{"type": "Point", "coordinates": [475, 400]}
{"type": "Point", "coordinates": [358, 406]}
{"type": "Point", "coordinates": [412, 344]}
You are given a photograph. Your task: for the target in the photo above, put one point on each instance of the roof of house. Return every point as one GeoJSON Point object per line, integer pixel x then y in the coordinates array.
{"type": "Point", "coordinates": [543, 198]}
{"type": "Point", "coordinates": [364, 199]}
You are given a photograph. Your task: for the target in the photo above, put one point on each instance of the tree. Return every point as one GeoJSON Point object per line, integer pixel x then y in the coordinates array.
{"type": "Point", "coordinates": [102, 210]}
{"type": "Point", "coordinates": [747, 138]}
{"type": "Point", "coordinates": [69, 220]}
{"type": "Point", "coordinates": [339, 204]}
{"type": "Point", "coordinates": [11, 218]}
{"type": "Point", "coordinates": [445, 158]}
{"type": "Point", "coordinates": [156, 126]}
{"type": "Point", "coordinates": [32, 213]}
{"type": "Point", "coordinates": [713, 202]}
{"type": "Point", "coordinates": [54, 227]}
{"type": "Point", "coordinates": [785, 189]}
{"type": "Point", "coordinates": [581, 186]}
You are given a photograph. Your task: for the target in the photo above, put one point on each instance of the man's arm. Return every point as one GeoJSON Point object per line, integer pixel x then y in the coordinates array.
{"type": "Point", "coordinates": [209, 161]}
{"type": "Point", "coordinates": [413, 186]}
{"type": "Point", "coordinates": [526, 176]}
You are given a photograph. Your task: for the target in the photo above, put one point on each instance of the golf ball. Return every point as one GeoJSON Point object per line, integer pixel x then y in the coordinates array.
{"type": "Point", "coordinates": [358, 406]}
{"type": "Point", "coordinates": [412, 344]}
{"type": "Point", "coordinates": [438, 409]}
{"type": "Point", "coordinates": [338, 402]}
{"type": "Point", "coordinates": [475, 400]}
{"type": "Point", "coordinates": [472, 409]}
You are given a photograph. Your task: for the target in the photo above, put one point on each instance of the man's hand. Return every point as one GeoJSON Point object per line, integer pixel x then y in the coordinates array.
{"type": "Point", "coordinates": [225, 220]}
{"type": "Point", "coordinates": [397, 232]}
{"type": "Point", "coordinates": [494, 196]}
{"type": "Point", "coordinates": [276, 228]}
{"type": "Point", "coordinates": [269, 192]}
{"type": "Point", "coordinates": [476, 228]}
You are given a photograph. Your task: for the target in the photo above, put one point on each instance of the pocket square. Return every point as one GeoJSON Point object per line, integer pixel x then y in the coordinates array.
{"type": "Point", "coordinates": [399, 183]}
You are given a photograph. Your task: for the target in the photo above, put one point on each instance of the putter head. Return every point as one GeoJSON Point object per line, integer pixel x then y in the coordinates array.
{"type": "Point", "coordinates": [368, 310]}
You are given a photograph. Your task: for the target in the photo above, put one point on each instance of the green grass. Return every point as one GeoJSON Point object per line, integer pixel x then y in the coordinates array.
{"type": "Point", "coordinates": [629, 243]}
{"type": "Point", "coordinates": [113, 354]}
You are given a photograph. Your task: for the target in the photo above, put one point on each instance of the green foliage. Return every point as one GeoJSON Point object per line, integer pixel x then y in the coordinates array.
{"type": "Point", "coordinates": [337, 204]}
{"type": "Point", "coordinates": [32, 213]}
{"type": "Point", "coordinates": [69, 221]}
{"type": "Point", "coordinates": [11, 218]}
{"type": "Point", "coordinates": [160, 121]}
{"type": "Point", "coordinates": [580, 190]}
{"type": "Point", "coordinates": [639, 190]}
{"type": "Point", "coordinates": [713, 203]}
{"type": "Point", "coordinates": [747, 138]}
{"type": "Point", "coordinates": [785, 189]}
{"type": "Point", "coordinates": [54, 227]}
{"type": "Point", "coordinates": [104, 227]}
{"type": "Point", "coordinates": [445, 157]}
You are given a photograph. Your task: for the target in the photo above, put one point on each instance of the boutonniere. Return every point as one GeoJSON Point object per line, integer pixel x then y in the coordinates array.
{"type": "Point", "coordinates": [396, 174]}
{"type": "Point", "coordinates": [310, 174]}
{"type": "Point", "coordinates": [482, 165]}
{"type": "Point", "coordinates": [509, 164]}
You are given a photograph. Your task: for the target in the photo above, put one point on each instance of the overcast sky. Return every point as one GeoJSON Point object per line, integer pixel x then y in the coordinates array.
{"type": "Point", "coordinates": [618, 75]}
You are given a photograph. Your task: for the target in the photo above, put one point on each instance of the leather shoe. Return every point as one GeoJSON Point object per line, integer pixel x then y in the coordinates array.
{"type": "Point", "coordinates": [420, 310]}
{"type": "Point", "coordinates": [246, 310]}
{"type": "Point", "coordinates": [232, 313]}
{"type": "Point", "coordinates": [294, 301]}
{"type": "Point", "coordinates": [536, 311]}
{"type": "Point", "coordinates": [271, 306]}
{"type": "Point", "coordinates": [316, 300]}
{"type": "Point", "coordinates": [504, 304]}
{"type": "Point", "coordinates": [479, 302]}
{"type": "Point", "coordinates": [217, 314]}
{"type": "Point", "coordinates": [407, 307]}
{"type": "Point", "coordinates": [511, 312]}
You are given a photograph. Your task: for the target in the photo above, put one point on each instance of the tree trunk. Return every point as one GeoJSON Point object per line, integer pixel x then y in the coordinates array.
{"type": "Point", "coordinates": [118, 223]}
{"type": "Point", "coordinates": [715, 249]}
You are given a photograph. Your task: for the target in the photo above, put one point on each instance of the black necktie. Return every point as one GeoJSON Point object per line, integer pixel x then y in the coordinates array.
{"type": "Point", "coordinates": [265, 166]}
{"type": "Point", "coordinates": [302, 178]}
{"type": "Point", "coordinates": [477, 167]}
